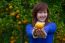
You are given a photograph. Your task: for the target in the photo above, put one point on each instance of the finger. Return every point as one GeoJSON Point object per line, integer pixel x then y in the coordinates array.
{"type": "Point", "coordinates": [34, 27]}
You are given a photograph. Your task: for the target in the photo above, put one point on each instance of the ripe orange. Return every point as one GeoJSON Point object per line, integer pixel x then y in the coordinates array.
{"type": "Point", "coordinates": [39, 25]}
{"type": "Point", "coordinates": [63, 39]}
{"type": "Point", "coordinates": [12, 14]}
{"type": "Point", "coordinates": [17, 16]}
{"type": "Point", "coordinates": [26, 42]}
{"type": "Point", "coordinates": [64, 34]}
{"type": "Point", "coordinates": [12, 41]}
{"type": "Point", "coordinates": [19, 22]}
{"type": "Point", "coordinates": [17, 11]}
{"type": "Point", "coordinates": [12, 37]}
{"type": "Point", "coordinates": [10, 7]}
{"type": "Point", "coordinates": [25, 21]}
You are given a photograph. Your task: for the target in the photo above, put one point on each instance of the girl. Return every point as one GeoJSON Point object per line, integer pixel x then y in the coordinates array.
{"type": "Point", "coordinates": [40, 14]}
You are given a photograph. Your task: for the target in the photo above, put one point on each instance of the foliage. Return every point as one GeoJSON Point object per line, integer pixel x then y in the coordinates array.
{"type": "Point", "coordinates": [15, 14]}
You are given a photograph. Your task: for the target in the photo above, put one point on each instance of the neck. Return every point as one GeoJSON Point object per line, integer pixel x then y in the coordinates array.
{"type": "Point", "coordinates": [41, 21]}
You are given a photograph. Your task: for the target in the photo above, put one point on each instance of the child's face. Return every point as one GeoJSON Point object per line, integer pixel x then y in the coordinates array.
{"type": "Point", "coordinates": [42, 15]}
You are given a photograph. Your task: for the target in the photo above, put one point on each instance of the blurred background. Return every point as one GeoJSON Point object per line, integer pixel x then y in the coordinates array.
{"type": "Point", "coordinates": [15, 14]}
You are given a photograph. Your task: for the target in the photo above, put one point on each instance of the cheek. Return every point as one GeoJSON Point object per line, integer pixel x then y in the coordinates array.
{"type": "Point", "coordinates": [45, 15]}
{"type": "Point", "coordinates": [38, 15]}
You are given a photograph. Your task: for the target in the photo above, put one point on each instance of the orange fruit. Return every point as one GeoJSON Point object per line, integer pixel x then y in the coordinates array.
{"type": "Point", "coordinates": [26, 42]}
{"type": "Point", "coordinates": [63, 39]}
{"type": "Point", "coordinates": [17, 11]}
{"type": "Point", "coordinates": [17, 16]}
{"type": "Point", "coordinates": [12, 37]}
{"type": "Point", "coordinates": [12, 41]}
{"type": "Point", "coordinates": [12, 14]}
{"type": "Point", "coordinates": [64, 34]}
{"type": "Point", "coordinates": [19, 22]}
{"type": "Point", "coordinates": [25, 21]}
{"type": "Point", "coordinates": [39, 25]}
{"type": "Point", "coordinates": [10, 6]}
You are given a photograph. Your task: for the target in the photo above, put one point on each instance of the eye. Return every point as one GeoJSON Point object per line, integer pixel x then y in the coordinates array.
{"type": "Point", "coordinates": [45, 12]}
{"type": "Point", "coordinates": [40, 12]}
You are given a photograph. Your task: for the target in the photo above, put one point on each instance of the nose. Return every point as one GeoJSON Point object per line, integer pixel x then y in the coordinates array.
{"type": "Point", "coordinates": [41, 16]}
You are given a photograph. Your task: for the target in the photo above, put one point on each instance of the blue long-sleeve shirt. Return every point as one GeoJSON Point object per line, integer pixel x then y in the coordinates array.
{"type": "Point", "coordinates": [50, 28]}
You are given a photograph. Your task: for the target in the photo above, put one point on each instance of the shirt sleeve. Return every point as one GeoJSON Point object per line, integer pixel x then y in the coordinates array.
{"type": "Point", "coordinates": [50, 28]}
{"type": "Point", "coordinates": [33, 34]}
{"type": "Point", "coordinates": [29, 29]}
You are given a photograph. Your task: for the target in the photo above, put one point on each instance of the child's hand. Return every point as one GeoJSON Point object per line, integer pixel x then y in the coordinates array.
{"type": "Point", "coordinates": [41, 33]}
{"type": "Point", "coordinates": [38, 33]}
{"type": "Point", "coordinates": [35, 33]}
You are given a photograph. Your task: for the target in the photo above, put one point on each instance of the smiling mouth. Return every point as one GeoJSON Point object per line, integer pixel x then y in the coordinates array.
{"type": "Point", "coordinates": [42, 17]}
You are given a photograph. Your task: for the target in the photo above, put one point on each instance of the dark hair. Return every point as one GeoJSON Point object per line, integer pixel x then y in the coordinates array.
{"type": "Point", "coordinates": [39, 7]}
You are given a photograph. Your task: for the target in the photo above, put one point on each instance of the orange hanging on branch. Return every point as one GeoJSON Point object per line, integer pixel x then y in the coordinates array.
{"type": "Point", "coordinates": [19, 22]}
{"type": "Point", "coordinates": [63, 39]}
{"type": "Point", "coordinates": [17, 11]}
{"type": "Point", "coordinates": [12, 14]}
{"type": "Point", "coordinates": [17, 16]}
{"type": "Point", "coordinates": [25, 21]}
{"type": "Point", "coordinates": [12, 37]}
{"type": "Point", "coordinates": [10, 7]}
